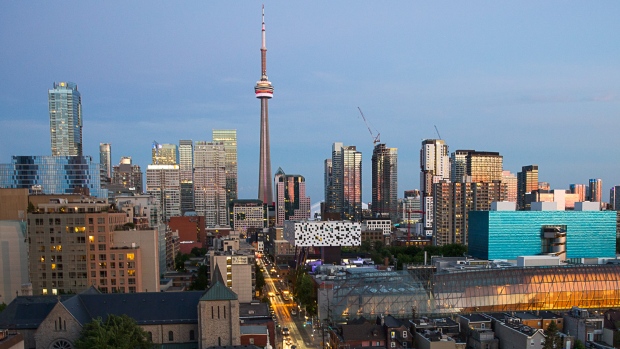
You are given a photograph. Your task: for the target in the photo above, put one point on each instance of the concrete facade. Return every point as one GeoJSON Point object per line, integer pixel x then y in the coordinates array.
{"type": "Point", "coordinates": [13, 259]}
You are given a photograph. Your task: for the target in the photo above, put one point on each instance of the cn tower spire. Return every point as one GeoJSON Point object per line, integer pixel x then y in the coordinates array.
{"type": "Point", "coordinates": [264, 92]}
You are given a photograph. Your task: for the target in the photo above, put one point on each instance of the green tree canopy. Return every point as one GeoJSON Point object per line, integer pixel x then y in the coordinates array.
{"type": "Point", "coordinates": [115, 332]}
{"type": "Point", "coordinates": [260, 278]}
{"type": "Point", "coordinates": [2, 306]}
{"type": "Point", "coordinates": [553, 339]}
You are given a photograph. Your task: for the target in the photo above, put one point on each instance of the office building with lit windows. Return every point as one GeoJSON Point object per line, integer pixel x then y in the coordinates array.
{"type": "Point", "coordinates": [65, 107]}
{"type": "Point", "coordinates": [75, 245]}
{"type": "Point", "coordinates": [164, 154]}
{"type": "Point", "coordinates": [53, 175]}
{"type": "Point", "coordinates": [128, 175]}
{"type": "Point", "coordinates": [237, 271]}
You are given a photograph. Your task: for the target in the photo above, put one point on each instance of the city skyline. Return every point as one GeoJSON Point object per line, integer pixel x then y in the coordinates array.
{"type": "Point", "coordinates": [518, 79]}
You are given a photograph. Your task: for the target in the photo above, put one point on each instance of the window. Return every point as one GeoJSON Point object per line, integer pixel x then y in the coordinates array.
{"type": "Point", "coordinates": [150, 336]}
{"type": "Point", "coordinates": [191, 335]}
{"type": "Point", "coordinates": [170, 336]}
{"type": "Point", "coordinates": [251, 340]}
{"type": "Point", "coordinates": [404, 334]}
{"type": "Point", "coordinates": [404, 344]}
{"type": "Point", "coordinates": [393, 344]}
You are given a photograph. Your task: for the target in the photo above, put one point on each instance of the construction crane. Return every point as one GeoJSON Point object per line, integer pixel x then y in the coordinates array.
{"type": "Point", "coordinates": [375, 139]}
{"type": "Point", "coordinates": [436, 130]}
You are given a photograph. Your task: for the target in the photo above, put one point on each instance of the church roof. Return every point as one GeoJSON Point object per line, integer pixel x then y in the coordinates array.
{"type": "Point", "coordinates": [219, 291]}
{"type": "Point", "coordinates": [28, 311]}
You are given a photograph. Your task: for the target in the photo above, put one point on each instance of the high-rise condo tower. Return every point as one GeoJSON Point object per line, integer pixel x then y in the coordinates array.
{"type": "Point", "coordinates": [264, 92]}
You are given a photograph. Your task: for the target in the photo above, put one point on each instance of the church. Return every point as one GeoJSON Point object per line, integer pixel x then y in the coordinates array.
{"type": "Point", "coordinates": [192, 320]}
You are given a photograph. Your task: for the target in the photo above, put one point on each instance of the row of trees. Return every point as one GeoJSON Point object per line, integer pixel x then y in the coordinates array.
{"type": "Point", "coordinates": [378, 251]}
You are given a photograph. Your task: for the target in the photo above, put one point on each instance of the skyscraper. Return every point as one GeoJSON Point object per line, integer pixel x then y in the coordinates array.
{"type": "Point", "coordinates": [127, 175]}
{"type": "Point", "coordinates": [65, 106]}
{"type": "Point", "coordinates": [210, 183]}
{"type": "Point", "coordinates": [580, 190]}
{"type": "Point", "coordinates": [162, 182]}
{"type": "Point", "coordinates": [229, 139]}
{"type": "Point", "coordinates": [385, 182]}
{"type": "Point", "coordinates": [509, 186]}
{"type": "Point", "coordinates": [595, 190]}
{"type": "Point", "coordinates": [186, 174]}
{"type": "Point", "coordinates": [264, 92]}
{"type": "Point", "coordinates": [614, 198]}
{"type": "Point", "coordinates": [105, 159]}
{"type": "Point", "coordinates": [527, 182]}
{"type": "Point", "coordinates": [164, 154]}
{"type": "Point", "coordinates": [343, 181]}
{"type": "Point", "coordinates": [484, 166]}
{"type": "Point", "coordinates": [291, 200]}
{"type": "Point", "coordinates": [434, 167]}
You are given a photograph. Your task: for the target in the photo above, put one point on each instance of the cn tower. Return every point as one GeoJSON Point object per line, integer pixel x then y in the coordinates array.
{"type": "Point", "coordinates": [264, 92]}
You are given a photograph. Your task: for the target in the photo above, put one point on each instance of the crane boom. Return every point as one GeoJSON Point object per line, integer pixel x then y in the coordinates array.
{"type": "Point", "coordinates": [375, 139]}
{"type": "Point", "coordinates": [436, 130]}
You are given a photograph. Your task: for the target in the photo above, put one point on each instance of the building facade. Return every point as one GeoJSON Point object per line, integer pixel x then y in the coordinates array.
{"type": "Point", "coordinates": [162, 182]}
{"type": "Point", "coordinates": [164, 154]}
{"type": "Point", "coordinates": [385, 182]}
{"type": "Point", "coordinates": [186, 174]}
{"type": "Point", "coordinates": [527, 182]}
{"type": "Point", "coordinates": [291, 200]}
{"type": "Point", "coordinates": [510, 234]}
{"type": "Point", "coordinates": [65, 107]}
{"type": "Point", "coordinates": [344, 185]}
{"type": "Point", "coordinates": [105, 159]}
{"type": "Point", "coordinates": [128, 176]}
{"type": "Point", "coordinates": [53, 175]}
{"type": "Point", "coordinates": [72, 247]}
{"type": "Point", "coordinates": [434, 167]}
{"type": "Point", "coordinates": [210, 183]}
{"type": "Point", "coordinates": [229, 139]}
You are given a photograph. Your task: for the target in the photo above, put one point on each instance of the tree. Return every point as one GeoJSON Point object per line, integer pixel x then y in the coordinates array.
{"type": "Point", "coordinates": [579, 344]}
{"type": "Point", "coordinates": [202, 280]}
{"type": "Point", "coordinates": [260, 278]}
{"type": "Point", "coordinates": [553, 339]}
{"type": "Point", "coordinates": [115, 332]}
{"type": "Point", "coordinates": [2, 306]}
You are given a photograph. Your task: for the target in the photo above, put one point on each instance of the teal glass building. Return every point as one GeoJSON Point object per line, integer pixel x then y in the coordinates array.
{"type": "Point", "coordinates": [53, 174]}
{"type": "Point", "coordinates": [509, 234]}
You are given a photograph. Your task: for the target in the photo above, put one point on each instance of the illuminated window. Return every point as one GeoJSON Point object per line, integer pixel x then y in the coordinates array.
{"type": "Point", "coordinates": [44, 291]}
{"type": "Point", "coordinates": [130, 256]}
{"type": "Point", "coordinates": [53, 266]}
{"type": "Point", "coordinates": [91, 239]}
{"type": "Point", "coordinates": [54, 291]}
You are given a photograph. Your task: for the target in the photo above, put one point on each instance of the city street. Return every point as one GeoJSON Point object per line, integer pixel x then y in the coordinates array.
{"type": "Point", "coordinates": [300, 336]}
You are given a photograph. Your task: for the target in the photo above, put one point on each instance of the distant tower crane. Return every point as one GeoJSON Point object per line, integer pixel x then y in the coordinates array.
{"type": "Point", "coordinates": [375, 139]}
{"type": "Point", "coordinates": [436, 130]}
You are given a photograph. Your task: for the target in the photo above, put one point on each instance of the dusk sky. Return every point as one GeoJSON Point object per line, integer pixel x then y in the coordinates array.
{"type": "Point", "coordinates": [536, 81]}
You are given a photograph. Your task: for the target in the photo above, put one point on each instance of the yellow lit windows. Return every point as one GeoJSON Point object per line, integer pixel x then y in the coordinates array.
{"type": "Point", "coordinates": [53, 266]}
{"type": "Point", "coordinates": [91, 239]}
{"type": "Point", "coordinates": [131, 272]}
{"type": "Point", "coordinates": [130, 256]}
{"type": "Point", "coordinates": [44, 291]}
